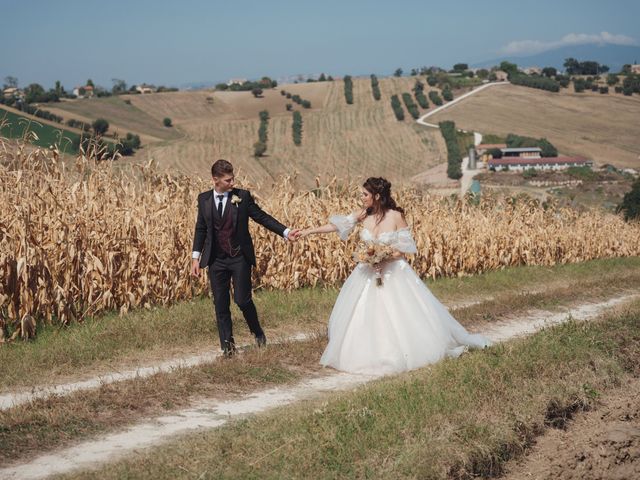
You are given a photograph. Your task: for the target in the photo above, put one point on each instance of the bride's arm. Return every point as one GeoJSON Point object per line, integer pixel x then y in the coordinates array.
{"type": "Point", "coordinates": [338, 223]}
{"type": "Point", "coordinates": [328, 228]}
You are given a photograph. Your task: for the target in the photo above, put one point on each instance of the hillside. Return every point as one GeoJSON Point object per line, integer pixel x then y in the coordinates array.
{"type": "Point", "coordinates": [121, 116]}
{"type": "Point", "coordinates": [353, 141]}
{"type": "Point", "coordinates": [342, 140]}
{"type": "Point", "coordinates": [603, 128]}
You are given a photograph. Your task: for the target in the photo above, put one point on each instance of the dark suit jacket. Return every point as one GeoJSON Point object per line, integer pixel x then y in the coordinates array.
{"type": "Point", "coordinates": [203, 239]}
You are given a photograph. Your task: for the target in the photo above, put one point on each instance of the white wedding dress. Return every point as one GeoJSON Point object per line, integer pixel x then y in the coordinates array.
{"type": "Point", "coordinates": [391, 328]}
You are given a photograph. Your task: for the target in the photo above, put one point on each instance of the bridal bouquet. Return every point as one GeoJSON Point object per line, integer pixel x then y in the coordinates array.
{"type": "Point", "coordinates": [373, 254]}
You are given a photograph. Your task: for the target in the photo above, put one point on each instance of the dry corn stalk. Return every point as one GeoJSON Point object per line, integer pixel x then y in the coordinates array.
{"type": "Point", "coordinates": [101, 238]}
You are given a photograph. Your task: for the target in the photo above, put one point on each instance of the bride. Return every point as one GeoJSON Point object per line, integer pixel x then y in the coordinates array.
{"type": "Point", "coordinates": [398, 325]}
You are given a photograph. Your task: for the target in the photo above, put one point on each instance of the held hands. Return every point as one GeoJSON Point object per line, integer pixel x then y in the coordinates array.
{"type": "Point", "coordinates": [294, 235]}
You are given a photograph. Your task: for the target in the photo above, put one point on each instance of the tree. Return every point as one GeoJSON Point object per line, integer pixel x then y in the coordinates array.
{"type": "Point", "coordinates": [460, 67]}
{"type": "Point", "coordinates": [100, 126]}
{"type": "Point", "coordinates": [257, 91]}
{"type": "Point", "coordinates": [322, 78]}
{"type": "Point", "coordinates": [10, 82]}
{"type": "Point", "coordinates": [483, 73]}
{"type": "Point", "coordinates": [398, 72]}
{"type": "Point", "coordinates": [414, 72]}
{"type": "Point", "coordinates": [495, 153]}
{"type": "Point", "coordinates": [59, 89]}
{"type": "Point", "coordinates": [571, 66]}
{"type": "Point", "coordinates": [119, 86]}
{"type": "Point", "coordinates": [549, 72]}
{"type": "Point", "coordinates": [167, 122]}
{"type": "Point", "coordinates": [90, 83]}
{"type": "Point", "coordinates": [34, 93]}
{"type": "Point", "coordinates": [548, 150]}
{"type": "Point", "coordinates": [630, 205]}
{"type": "Point", "coordinates": [612, 79]}
{"type": "Point", "coordinates": [511, 69]}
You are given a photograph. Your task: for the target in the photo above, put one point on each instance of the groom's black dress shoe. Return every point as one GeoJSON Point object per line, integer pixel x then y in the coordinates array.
{"type": "Point", "coordinates": [229, 351]}
{"type": "Point", "coordinates": [261, 340]}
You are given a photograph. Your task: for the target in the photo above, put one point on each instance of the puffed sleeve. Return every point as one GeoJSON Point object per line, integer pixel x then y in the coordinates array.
{"type": "Point", "coordinates": [404, 242]}
{"type": "Point", "coordinates": [344, 224]}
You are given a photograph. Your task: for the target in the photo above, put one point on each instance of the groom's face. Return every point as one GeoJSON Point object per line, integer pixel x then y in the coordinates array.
{"type": "Point", "coordinates": [224, 183]}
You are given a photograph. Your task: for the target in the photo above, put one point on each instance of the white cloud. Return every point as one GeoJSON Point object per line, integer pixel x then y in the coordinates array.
{"type": "Point", "coordinates": [528, 47]}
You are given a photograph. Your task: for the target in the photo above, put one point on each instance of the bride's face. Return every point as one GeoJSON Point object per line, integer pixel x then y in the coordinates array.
{"type": "Point", "coordinates": [366, 197]}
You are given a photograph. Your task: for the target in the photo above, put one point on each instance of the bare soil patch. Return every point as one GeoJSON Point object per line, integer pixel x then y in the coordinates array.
{"type": "Point", "coordinates": [602, 443]}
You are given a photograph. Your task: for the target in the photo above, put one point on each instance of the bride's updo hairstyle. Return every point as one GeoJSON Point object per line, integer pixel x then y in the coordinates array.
{"type": "Point", "coordinates": [382, 187]}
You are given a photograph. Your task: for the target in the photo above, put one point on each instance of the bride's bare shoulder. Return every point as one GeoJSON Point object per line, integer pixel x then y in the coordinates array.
{"type": "Point", "coordinates": [398, 219]}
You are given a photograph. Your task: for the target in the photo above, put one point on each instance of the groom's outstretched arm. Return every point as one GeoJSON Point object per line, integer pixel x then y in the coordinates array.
{"type": "Point", "coordinates": [263, 218]}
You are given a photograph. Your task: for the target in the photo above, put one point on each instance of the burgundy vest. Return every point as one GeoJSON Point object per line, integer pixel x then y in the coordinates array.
{"type": "Point", "coordinates": [224, 233]}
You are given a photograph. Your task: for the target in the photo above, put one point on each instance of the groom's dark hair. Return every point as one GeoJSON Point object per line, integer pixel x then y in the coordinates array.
{"type": "Point", "coordinates": [221, 167]}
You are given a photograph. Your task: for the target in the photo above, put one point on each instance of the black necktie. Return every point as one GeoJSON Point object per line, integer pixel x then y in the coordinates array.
{"type": "Point", "coordinates": [220, 197]}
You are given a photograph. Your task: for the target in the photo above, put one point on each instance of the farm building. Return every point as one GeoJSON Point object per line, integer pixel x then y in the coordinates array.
{"type": "Point", "coordinates": [539, 163]}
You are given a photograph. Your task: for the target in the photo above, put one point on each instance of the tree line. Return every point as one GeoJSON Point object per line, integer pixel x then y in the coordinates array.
{"type": "Point", "coordinates": [296, 98]}
{"type": "Point", "coordinates": [454, 156]}
{"type": "Point", "coordinates": [260, 147]}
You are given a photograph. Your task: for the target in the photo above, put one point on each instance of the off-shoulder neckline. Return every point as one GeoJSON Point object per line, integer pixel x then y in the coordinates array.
{"type": "Point", "coordinates": [375, 237]}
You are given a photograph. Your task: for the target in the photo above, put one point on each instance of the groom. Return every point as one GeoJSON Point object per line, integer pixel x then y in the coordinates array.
{"type": "Point", "coordinates": [222, 243]}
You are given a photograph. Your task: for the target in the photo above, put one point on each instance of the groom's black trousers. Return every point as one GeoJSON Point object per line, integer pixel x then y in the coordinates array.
{"type": "Point", "coordinates": [221, 272]}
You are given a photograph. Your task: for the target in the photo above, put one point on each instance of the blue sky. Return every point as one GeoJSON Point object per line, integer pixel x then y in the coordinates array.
{"type": "Point", "coordinates": [174, 43]}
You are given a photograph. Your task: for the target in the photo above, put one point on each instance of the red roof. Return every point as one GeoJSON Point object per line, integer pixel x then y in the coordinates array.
{"type": "Point", "coordinates": [536, 161]}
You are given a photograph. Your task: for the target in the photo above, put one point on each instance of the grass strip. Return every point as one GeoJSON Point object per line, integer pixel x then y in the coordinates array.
{"type": "Point", "coordinates": [460, 418]}
{"type": "Point", "coordinates": [66, 413]}
{"type": "Point", "coordinates": [110, 341]}
{"type": "Point", "coordinates": [50, 423]}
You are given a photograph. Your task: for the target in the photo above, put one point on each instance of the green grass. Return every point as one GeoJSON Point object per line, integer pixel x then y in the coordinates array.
{"type": "Point", "coordinates": [492, 138]}
{"type": "Point", "coordinates": [16, 126]}
{"type": "Point", "coordinates": [111, 341]}
{"type": "Point", "coordinates": [460, 418]}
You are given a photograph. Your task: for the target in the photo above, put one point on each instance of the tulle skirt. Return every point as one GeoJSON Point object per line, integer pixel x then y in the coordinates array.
{"type": "Point", "coordinates": [391, 328]}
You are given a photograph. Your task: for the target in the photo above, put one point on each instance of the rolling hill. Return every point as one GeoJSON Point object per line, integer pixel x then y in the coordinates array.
{"type": "Point", "coordinates": [603, 128]}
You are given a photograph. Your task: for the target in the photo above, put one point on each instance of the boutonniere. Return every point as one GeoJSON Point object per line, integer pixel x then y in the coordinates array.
{"type": "Point", "coordinates": [235, 199]}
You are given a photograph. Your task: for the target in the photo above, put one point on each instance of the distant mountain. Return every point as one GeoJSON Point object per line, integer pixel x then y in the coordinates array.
{"type": "Point", "coordinates": [614, 56]}
{"type": "Point", "coordinates": [197, 85]}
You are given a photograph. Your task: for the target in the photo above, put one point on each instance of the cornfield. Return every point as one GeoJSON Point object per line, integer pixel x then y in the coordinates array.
{"type": "Point", "coordinates": [77, 241]}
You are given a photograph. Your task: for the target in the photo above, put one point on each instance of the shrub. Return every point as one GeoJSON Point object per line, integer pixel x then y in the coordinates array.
{"type": "Point", "coordinates": [100, 126]}
{"type": "Point", "coordinates": [630, 205]}
{"type": "Point", "coordinates": [167, 122]}
{"type": "Point", "coordinates": [297, 128]}
{"type": "Point", "coordinates": [348, 89]}
{"type": "Point", "coordinates": [259, 149]}
{"type": "Point", "coordinates": [412, 108]}
{"type": "Point", "coordinates": [375, 87]}
{"type": "Point", "coordinates": [435, 98]}
{"type": "Point", "coordinates": [422, 100]}
{"type": "Point", "coordinates": [397, 108]}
